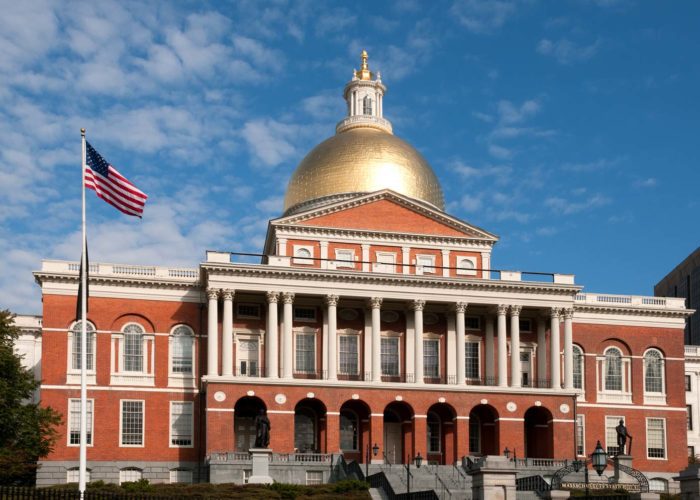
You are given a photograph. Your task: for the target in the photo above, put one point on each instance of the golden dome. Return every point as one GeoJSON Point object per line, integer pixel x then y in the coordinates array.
{"type": "Point", "coordinates": [361, 160]}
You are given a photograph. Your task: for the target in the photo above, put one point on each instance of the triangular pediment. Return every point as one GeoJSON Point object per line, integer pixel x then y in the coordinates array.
{"type": "Point", "coordinates": [388, 212]}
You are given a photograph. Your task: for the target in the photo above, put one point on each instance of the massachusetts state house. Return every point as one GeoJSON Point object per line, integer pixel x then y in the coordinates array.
{"type": "Point", "coordinates": [372, 317]}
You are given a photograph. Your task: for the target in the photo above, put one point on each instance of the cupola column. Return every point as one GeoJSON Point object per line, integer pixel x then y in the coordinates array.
{"type": "Point", "coordinates": [418, 306]}
{"type": "Point", "coordinates": [287, 336]}
{"type": "Point", "coordinates": [227, 334]}
{"type": "Point", "coordinates": [555, 352]}
{"type": "Point", "coordinates": [501, 310]}
{"type": "Point", "coordinates": [515, 368]}
{"type": "Point", "coordinates": [272, 336]}
{"type": "Point", "coordinates": [331, 304]}
{"type": "Point", "coordinates": [213, 333]}
{"type": "Point", "coordinates": [460, 307]}
{"type": "Point", "coordinates": [375, 304]}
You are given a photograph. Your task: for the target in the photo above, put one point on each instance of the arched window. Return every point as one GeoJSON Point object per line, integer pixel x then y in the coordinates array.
{"type": "Point", "coordinates": [367, 105]}
{"type": "Point", "coordinates": [348, 431]}
{"type": "Point", "coordinates": [182, 344]}
{"type": "Point", "coordinates": [613, 369]}
{"type": "Point", "coordinates": [130, 474]}
{"type": "Point", "coordinates": [578, 367]}
{"type": "Point", "coordinates": [76, 334]}
{"type": "Point", "coordinates": [653, 371]}
{"type": "Point", "coordinates": [466, 265]}
{"type": "Point", "coordinates": [433, 429]}
{"type": "Point", "coordinates": [133, 348]}
{"type": "Point", "coordinates": [658, 485]}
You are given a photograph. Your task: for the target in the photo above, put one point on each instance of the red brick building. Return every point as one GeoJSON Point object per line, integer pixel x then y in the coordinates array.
{"type": "Point", "coordinates": [374, 317]}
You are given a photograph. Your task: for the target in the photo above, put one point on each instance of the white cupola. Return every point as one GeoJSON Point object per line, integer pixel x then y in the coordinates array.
{"type": "Point", "coordinates": [364, 95]}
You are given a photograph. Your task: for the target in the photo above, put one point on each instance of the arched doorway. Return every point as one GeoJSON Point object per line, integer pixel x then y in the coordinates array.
{"type": "Point", "coordinates": [309, 426]}
{"type": "Point", "coordinates": [441, 434]}
{"type": "Point", "coordinates": [354, 429]}
{"type": "Point", "coordinates": [483, 431]}
{"type": "Point", "coordinates": [398, 431]}
{"type": "Point", "coordinates": [539, 442]}
{"type": "Point", "coordinates": [244, 413]}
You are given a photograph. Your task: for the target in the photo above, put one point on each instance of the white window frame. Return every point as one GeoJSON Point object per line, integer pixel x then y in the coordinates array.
{"type": "Point", "coordinates": [91, 421]}
{"type": "Point", "coordinates": [665, 448]}
{"type": "Point", "coordinates": [583, 369]}
{"type": "Point", "coordinates": [616, 420]}
{"type": "Point", "coordinates": [240, 315]}
{"type": "Point", "coordinates": [314, 480]}
{"type": "Point", "coordinates": [391, 335]}
{"type": "Point", "coordinates": [249, 336]}
{"type": "Point", "coordinates": [583, 437]}
{"type": "Point", "coordinates": [467, 327]}
{"type": "Point", "coordinates": [130, 469]}
{"type": "Point", "coordinates": [73, 374]}
{"type": "Point", "coordinates": [180, 378]}
{"type": "Point", "coordinates": [170, 432]}
{"type": "Point", "coordinates": [611, 395]}
{"type": "Point", "coordinates": [654, 398]}
{"type": "Point", "coordinates": [384, 266]}
{"type": "Point", "coordinates": [431, 337]}
{"type": "Point", "coordinates": [306, 332]}
{"type": "Point", "coordinates": [76, 475]}
{"type": "Point", "coordinates": [303, 259]}
{"type": "Point", "coordinates": [344, 257]}
{"type": "Point", "coordinates": [530, 348]}
{"type": "Point", "coordinates": [461, 259]}
{"type": "Point", "coordinates": [121, 423]}
{"type": "Point", "coordinates": [426, 267]}
{"type": "Point", "coordinates": [303, 319]}
{"type": "Point", "coordinates": [176, 471]}
{"type": "Point", "coordinates": [349, 334]}
{"type": "Point", "coordinates": [472, 339]}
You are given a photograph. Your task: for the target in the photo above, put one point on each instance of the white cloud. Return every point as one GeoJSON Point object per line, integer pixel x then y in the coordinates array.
{"type": "Point", "coordinates": [649, 182]}
{"type": "Point", "coordinates": [510, 113]}
{"type": "Point", "coordinates": [482, 16]}
{"type": "Point", "coordinates": [270, 141]}
{"type": "Point", "coordinates": [486, 118]}
{"type": "Point", "coordinates": [568, 207]}
{"type": "Point", "coordinates": [591, 166]}
{"type": "Point", "coordinates": [500, 152]}
{"type": "Point", "coordinates": [567, 52]}
{"type": "Point", "coordinates": [335, 21]}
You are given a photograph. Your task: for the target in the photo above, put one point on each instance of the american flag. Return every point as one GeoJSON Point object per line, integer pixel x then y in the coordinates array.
{"type": "Point", "coordinates": [112, 186]}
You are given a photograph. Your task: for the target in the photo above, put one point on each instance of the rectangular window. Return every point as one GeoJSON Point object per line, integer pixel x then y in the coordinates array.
{"type": "Point", "coordinates": [385, 262]}
{"type": "Point", "coordinates": [306, 353]}
{"type": "Point", "coordinates": [251, 311]}
{"type": "Point", "coordinates": [656, 438]}
{"type": "Point", "coordinates": [471, 360]}
{"type": "Point", "coordinates": [133, 352]}
{"type": "Point", "coordinates": [390, 356]}
{"type": "Point", "coordinates": [689, 410]}
{"type": "Point", "coordinates": [181, 476]}
{"type": "Point", "coordinates": [431, 358]}
{"type": "Point", "coordinates": [687, 383]}
{"type": "Point", "coordinates": [526, 325]}
{"type": "Point", "coordinates": [74, 422]}
{"type": "Point", "coordinates": [246, 475]}
{"type": "Point", "coordinates": [433, 437]}
{"type": "Point", "coordinates": [73, 475]}
{"type": "Point", "coordinates": [77, 334]}
{"type": "Point", "coordinates": [691, 451]}
{"type": "Point", "coordinates": [611, 434]}
{"type": "Point", "coordinates": [427, 262]}
{"type": "Point", "coordinates": [348, 354]}
{"type": "Point", "coordinates": [314, 477]}
{"type": "Point", "coordinates": [132, 423]}
{"type": "Point", "coordinates": [580, 435]}
{"type": "Point", "coordinates": [182, 354]}
{"type": "Point", "coordinates": [304, 314]}
{"type": "Point", "coordinates": [345, 258]}
{"type": "Point", "coordinates": [472, 322]}
{"type": "Point", "coordinates": [181, 423]}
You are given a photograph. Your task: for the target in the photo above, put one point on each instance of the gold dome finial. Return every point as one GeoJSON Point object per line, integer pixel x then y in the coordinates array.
{"type": "Point", "coordinates": [364, 73]}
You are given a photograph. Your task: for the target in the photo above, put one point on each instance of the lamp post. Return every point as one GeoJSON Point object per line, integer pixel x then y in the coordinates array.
{"type": "Point", "coordinates": [419, 460]}
{"type": "Point", "coordinates": [375, 450]}
{"type": "Point", "coordinates": [599, 461]}
{"type": "Point", "coordinates": [506, 452]}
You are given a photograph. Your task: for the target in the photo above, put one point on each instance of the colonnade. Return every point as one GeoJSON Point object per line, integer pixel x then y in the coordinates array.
{"type": "Point", "coordinates": [495, 373]}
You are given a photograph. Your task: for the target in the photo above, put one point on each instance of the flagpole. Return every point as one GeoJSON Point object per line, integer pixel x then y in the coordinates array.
{"type": "Point", "coordinates": [83, 337]}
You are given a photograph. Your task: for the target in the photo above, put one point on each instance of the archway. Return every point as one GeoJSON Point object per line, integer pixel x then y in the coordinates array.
{"type": "Point", "coordinates": [244, 413]}
{"type": "Point", "coordinates": [355, 418]}
{"type": "Point", "coordinates": [398, 431]}
{"type": "Point", "coordinates": [483, 430]}
{"type": "Point", "coordinates": [310, 426]}
{"type": "Point", "coordinates": [539, 438]}
{"type": "Point", "coordinates": [441, 434]}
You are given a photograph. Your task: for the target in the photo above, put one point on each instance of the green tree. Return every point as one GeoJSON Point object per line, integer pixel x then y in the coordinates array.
{"type": "Point", "coordinates": [27, 430]}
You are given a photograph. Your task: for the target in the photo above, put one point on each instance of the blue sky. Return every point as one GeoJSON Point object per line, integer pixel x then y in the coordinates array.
{"type": "Point", "coordinates": [568, 128]}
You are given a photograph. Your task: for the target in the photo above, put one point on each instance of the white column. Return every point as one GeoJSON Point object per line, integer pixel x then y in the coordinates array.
{"type": "Point", "coordinates": [366, 265]}
{"type": "Point", "coordinates": [376, 303]}
{"type": "Point", "coordinates": [227, 334]}
{"type": "Point", "coordinates": [272, 336]}
{"type": "Point", "coordinates": [568, 349]}
{"type": "Point", "coordinates": [213, 333]}
{"type": "Point", "coordinates": [486, 265]}
{"type": "Point", "coordinates": [287, 340]}
{"type": "Point", "coordinates": [445, 263]}
{"type": "Point", "coordinates": [554, 350]}
{"type": "Point", "coordinates": [282, 247]}
{"type": "Point", "coordinates": [406, 260]}
{"type": "Point", "coordinates": [515, 368]}
{"type": "Point", "coordinates": [418, 306]}
{"type": "Point", "coordinates": [324, 254]}
{"type": "Point", "coordinates": [460, 307]}
{"type": "Point", "coordinates": [541, 352]}
{"type": "Point", "coordinates": [501, 310]}
{"type": "Point", "coordinates": [367, 376]}
{"type": "Point", "coordinates": [488, 352]}
{"type": "Point", "coordinates": [332, 304]}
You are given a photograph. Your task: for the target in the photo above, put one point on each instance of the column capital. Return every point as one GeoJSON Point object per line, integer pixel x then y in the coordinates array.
{"type": "Point", "coordinates": [554, 312]}
{"type": "Point", "coordinates": [502, 309]}
{"type": "Point", "coordinates": [568, 313]}
{"type": "Point", "coordinates": [212, 293]}
{"type": "Point", "coordinates": [460, 307]}
{"type": "Point", "coordinates": [418, 305]}
{"type": "Point", "coordinates": [331, 300]}
{"type": "Point", "coordinates": [375, 302]}
{"type": "Point", "coordinates": [227, 294]}
{"type": "Point", "coordinates": [323, 243]}
{"type": "Point", "coordinates": [288, 297]}
{"type": "Point", "coordinates": [515, 310]}
{"type": "Point", "coordinates": [272, 297]}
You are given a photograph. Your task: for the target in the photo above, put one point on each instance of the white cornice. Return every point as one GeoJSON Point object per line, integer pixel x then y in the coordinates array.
{"type": "Point", "coordinates": [593, 310]}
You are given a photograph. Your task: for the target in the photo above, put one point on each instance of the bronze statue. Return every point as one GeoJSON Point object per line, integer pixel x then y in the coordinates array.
{"type": "Point", "coordinates": [622, 436]}
{"type": "Point", "coordinates": [262, 430]}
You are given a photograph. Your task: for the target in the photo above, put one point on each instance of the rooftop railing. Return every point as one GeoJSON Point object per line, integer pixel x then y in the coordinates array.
{"type": "Point", "coordinates": [102, 269]}
{"type": "Point", "coordinates": [630, 300]}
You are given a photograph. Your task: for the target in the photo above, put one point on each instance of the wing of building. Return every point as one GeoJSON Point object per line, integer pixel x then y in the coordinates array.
{"type": "Point", "coordinates": [373, 317]}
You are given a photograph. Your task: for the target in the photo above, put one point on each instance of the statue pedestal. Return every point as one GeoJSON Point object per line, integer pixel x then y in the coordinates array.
{"type": "Point", "coordinates": [261, 466]}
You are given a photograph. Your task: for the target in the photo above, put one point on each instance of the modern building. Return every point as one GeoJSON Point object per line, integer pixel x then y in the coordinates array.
{"type": "Point", "coordinates": [372, 317]}
{"type": "Point", "coordinates": [684, 281]}
{"type": "Point", "coordinates": [692, 398]}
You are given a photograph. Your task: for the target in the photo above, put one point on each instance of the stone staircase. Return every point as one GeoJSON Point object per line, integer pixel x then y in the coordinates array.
{"type": "Point", "coordinates": [448, 482]}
